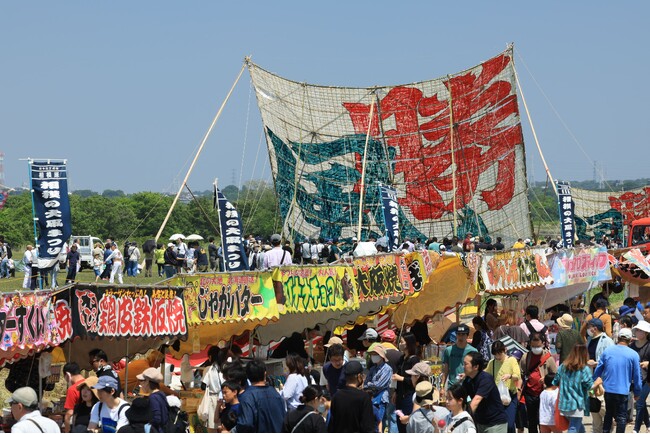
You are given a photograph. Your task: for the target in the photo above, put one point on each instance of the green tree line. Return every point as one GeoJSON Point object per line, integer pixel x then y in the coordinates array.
{"type": "Point", "coordinates": [137, 217]}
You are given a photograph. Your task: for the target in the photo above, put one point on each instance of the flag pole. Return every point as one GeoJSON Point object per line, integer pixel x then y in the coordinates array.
{"type": "Point", "coordinates": [196, 157]}
{"type": "Point", "coordinates": [363, 170]}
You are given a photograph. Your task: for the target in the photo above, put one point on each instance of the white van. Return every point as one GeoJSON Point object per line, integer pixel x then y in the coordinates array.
{"type": "Point", "coordinates": [86, 244]}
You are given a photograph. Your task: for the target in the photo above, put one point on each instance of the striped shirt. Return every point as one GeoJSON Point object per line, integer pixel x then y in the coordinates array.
{"type": "Point", "coordinates": [574, 389]}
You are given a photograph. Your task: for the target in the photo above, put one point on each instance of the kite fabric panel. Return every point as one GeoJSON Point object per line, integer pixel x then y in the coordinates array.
{"type": "Point", "coordinates": [599, 213]}
{"type": "Point", "coordinates": [455, 137]}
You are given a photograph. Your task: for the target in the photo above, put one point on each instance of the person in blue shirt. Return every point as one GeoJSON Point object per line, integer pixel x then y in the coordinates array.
{"type": "Point", "coordinates": [378, 380]}
{"type": "Point", "coordinates": [618, 368]}
{"type": "Point", "coordinates": [261, 406]}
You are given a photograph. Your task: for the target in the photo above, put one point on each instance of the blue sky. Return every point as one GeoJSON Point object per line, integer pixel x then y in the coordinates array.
{"type": "Point", "coordinates": [126, 90]}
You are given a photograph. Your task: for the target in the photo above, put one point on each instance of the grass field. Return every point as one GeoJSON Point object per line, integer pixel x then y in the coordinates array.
{"type": "Point", "coordinates": [85, 276]}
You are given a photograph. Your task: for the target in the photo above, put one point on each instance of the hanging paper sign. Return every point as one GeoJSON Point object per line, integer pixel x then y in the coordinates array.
{"type": "Point", "coordinates": [317, 289]}
{"type": "Point", "coordinates": [27, 322]}
{"type": "Point", "coordinates": [51, 209]}
{"type": "Point", "coordinates": [635, 257]}
{"type": "Point", "coordinates": [226, 297]}
{"type": "Point", "coordinates": [390, 208]}
{"type": "Point", "coordinates": [566, 210]}
{"type": "Point", "coordinates": [515, 270]}
{"type": "Point", "coordinates": [124, 312]}
{"type": "Point", "coordinates": [231, 233]}
{"type": "Point", "coordinates": [579, 266]}
{"type": "Point", "coordinates": [378, 277]}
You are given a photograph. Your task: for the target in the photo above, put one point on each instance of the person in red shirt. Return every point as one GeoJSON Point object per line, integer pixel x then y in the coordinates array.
{"type": "Point", "coordinates": [73, 378]}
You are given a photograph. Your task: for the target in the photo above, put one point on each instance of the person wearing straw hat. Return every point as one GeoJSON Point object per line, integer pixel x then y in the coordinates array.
{"type": "Point", "coordinates": [378, 381]}
{"type": "Point", "coordinates": [81, 411]}
{"type": "Point", "coordinates": [425, 419]}
{"type": "Point", "coordinates": [24, 408]}
{"type": "Point", "coordinates": [567, 336]}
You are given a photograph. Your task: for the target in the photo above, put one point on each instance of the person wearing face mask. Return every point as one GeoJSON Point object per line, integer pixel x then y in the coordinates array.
{"type": "Point", "coordinates": [534, 366]}
{"type": "Point", "coordinates": [601, 314]}
{"type": "Point", "coordinates": [597, 343]}
{"type": "Point", "coordinates": [505, 368]}
{"type": "Point", "coordinates": [351, 409]}
{"type": "Point", "coordinates": [307, 417]}
{"type": "Point", "coordinates": [378, 381]}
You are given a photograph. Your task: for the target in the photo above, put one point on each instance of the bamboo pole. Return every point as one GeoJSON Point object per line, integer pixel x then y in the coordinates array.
{"type": "Point", "coordinates": [532, 127]}
{"type": "Point", "coordinates": [196, 157]}
{"type": "Point", "coordinates": [453, 160]}
{"type": "Point", "coordinates": [363, 170]}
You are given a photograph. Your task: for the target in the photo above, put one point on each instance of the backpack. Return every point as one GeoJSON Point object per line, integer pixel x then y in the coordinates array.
{"type": "Point", "coordinates": [178, 420]}
{"type": "Point", "coordinates": [325, 252]}
{"type": "Point", "coordinates": [9, 252]}
{"type": "Point", "coordinates": [486, 345]}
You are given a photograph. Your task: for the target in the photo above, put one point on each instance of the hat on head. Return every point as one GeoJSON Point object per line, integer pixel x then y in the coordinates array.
{"type": "Point", "coordinates": [334, 340]}
{"type": "Point", "coordinates": [625, 334]}
{"type": "Point", "coordinates": [150, 374]}
{"type": "Point", "coordinates": [420, 369]}
{"type": "Point", "coordinates": [463, 329]}
{"type": "Point", "coordinates": [139, 412]}
{"type": "Point", "coordinates": [642, 325]}
{"type": "Point", "coordinates": [443, 247]}
{"type": "Point", "coordinates": [353, 367]}
{"type": "Point", "coordinates": [267, 247]}
{"type": "Point", "coordinates": [170, 244]}
{"type": "Point", "coordinates": [106, 382]}
{"type": "Point", "coordinates": [595, 322]}
{"type": "Point", "coordinates": [380, 350]}
{"type": "Point", "coordinates": [388, 336]}
{"type": "Point", "coordinates": [425, 394]}
{"type": "Point", "coordinates": [354, 238]}
{"type": "Point", "coordinates": [625, 310]}
{"type": "Point", "coordinates": [25, 396]}
{"type": "Point", "coordinates": [370, 334]}
{"type": "Point", "coordinates": [173, 401]}
{"type": "Point", "coordinates": [565, 321]}
{"type": "Point", "coordinates": [527, 241]}
{"type": "Point", "coordinates": [89, 382]}
{"type": "Point", "coordinates": [276, 238]}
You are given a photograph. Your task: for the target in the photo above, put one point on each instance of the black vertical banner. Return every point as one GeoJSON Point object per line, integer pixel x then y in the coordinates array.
{"type": "Point", "coordinates": [390, 207]}
{"type": "Point", "coordinates": [51, 209]}
{"type": "Point", "coordinates": [232, 238]}
{"type": "Point", "coordinates": [566, 210]}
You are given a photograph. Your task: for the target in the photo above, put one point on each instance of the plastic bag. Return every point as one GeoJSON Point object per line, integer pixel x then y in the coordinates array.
{"type": "Point", "coordinates": [504, 393]}
{"type": "Point", "coordinates": [203, 411]}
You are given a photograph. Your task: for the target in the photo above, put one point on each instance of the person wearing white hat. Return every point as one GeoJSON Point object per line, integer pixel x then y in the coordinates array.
{"type": "Point", "coordinates": [641, 332]}
{"type": "Point", "coordinates": [24, 408]}
{"type": "Point", "coordinates": [171, 261]}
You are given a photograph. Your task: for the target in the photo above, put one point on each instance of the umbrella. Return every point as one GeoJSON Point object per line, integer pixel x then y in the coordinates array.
{"type": "Point", "coordinates": [149, 246]}
{"type": "Point", "coordinates": [176, 236]}
{"type": "Point", "coordinates": [194, 237]}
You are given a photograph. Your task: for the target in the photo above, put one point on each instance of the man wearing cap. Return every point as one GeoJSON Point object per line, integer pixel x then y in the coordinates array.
{"type": "Point", "coordinates": [597, 343]}
{"type": "Point", "coordinates": [394, 355]}
{"type": "Point", "coordinates": [333, 371]}
{"type": "Point", "coordinates": [452, 358]}
{"type": "Point", "coordinates": [378, 380]}
{"type": "Point", "coordinates": [150, 381]}
{"type": "Point", "coordinates": [567, 337]}
{"type": "Point", "coordinates": [602, 315]}
{"type": "Point", "coordinates": [351, 409]}
{"type": "Point", "coordinates": [425, 419]}
{"type": "Point", "coordinates": [109, 414]}
{"type": "Point", "coordinates": [24, 408]}
{"type": "Point", "coordinates": [171, 261]}
{"type": "Point", "coordinates": [277, 256]}
{"type": "Point", "coordinates": [617, 370]}
{"type": "Point", "coordinates": [369, 337]}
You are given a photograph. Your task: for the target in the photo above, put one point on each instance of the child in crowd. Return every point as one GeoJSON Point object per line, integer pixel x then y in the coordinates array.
{"type": "Point", "coordinates": [547, 401]}
{"type": "Point", "coordinates": [230, 408]}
